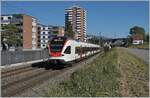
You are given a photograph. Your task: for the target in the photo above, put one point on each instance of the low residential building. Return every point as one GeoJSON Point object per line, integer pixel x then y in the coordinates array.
{"type": "Point", "coordinates": [137, 39]}
{"type": "Point", "coordinates": [33, 35]}
{"type": "Point", "coordinates": [27, 26]}
{"type": "Point", "coordinates": [6, 19]}
{"type": "Point", "coordinates": [46, 33]}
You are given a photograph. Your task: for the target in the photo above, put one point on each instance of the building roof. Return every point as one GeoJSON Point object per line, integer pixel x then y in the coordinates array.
{"type": "Point", "coordinates": [137, 37]}
{"type": "Point", "coordinates": [41, 25]}
{"type": "Point", "coordinates": [17, 14]}
{"type": "Point", "coordinates": [6, 15]}
{"type": "Point", "coordinates": [74, 6]}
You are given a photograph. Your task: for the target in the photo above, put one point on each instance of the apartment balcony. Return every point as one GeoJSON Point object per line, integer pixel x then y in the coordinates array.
{"type": "Point", "coordinates": [78, 17]}
{"type": "Point", "coordinates": [34, 24]}
{"type": "Point", "coordinates": [33, 35]}
{"type": "Point", "coordinates": [17, 21]}
{"type": "Point", "coordinates": [33, 42]}
{"type": "Point", "coordinates": [5, 21]}
{"type": "Point", "coordinates": [33, 29]}
{"type": "Point", "coordinates": [70, 15]}
{"type": "Point", "coordinates": [45, 32]}
{"type": "Point", "coordinates": [33, 47]}
{"type": "Point", "coordinates": [44, 37]}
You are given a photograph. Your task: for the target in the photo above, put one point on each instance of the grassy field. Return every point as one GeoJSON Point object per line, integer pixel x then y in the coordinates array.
{"type": "Point", "coordinates": [116, 73]}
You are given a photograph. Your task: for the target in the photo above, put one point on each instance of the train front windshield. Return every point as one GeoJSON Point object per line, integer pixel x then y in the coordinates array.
{"type": "Point", "coordinates": [57, 44]}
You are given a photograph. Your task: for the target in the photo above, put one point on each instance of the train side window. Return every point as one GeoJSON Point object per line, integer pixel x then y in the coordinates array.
{"type": "Point", "coordinates": [77, 50]}
{"type": "Point", "coordinates": [68, 50]}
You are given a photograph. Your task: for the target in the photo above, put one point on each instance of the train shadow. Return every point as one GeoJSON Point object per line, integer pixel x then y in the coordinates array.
{"type": "Point", "coordinates": [47, 65]}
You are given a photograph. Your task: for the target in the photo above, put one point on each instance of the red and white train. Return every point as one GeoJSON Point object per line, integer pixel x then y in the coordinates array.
{"type": "Point", "coordinates": [62, 49]}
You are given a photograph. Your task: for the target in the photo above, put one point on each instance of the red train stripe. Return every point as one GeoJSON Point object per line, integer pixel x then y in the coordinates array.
{"type": "Point", "coordinates": [55, 54]}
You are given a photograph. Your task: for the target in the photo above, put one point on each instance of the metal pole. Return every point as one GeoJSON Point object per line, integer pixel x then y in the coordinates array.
{"type": "Point", "coordinates": [115, 34]}
{"type": "Point", "coordinates": [99, 38]}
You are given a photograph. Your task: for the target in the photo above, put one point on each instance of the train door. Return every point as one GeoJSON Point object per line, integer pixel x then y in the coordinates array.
{"type": "Point", "coordinates": [81, 52]}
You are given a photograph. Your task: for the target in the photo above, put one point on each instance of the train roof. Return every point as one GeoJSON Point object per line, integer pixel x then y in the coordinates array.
{"type": "Point", "coordinates": [85, 43]}
{"type": "Point", "coordinates": [76, 41]}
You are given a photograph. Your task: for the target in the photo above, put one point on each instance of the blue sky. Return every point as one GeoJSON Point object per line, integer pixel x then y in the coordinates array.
{"type": "Point", "coordinates": [110, 18]}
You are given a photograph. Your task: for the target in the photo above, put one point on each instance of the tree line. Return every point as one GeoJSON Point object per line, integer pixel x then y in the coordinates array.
{"type": "Point", "coordinates": [11, 35]}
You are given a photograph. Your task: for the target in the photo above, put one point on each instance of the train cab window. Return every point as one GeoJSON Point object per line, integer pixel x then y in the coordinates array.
{"type": "Point", "coordinates": [68, 50]}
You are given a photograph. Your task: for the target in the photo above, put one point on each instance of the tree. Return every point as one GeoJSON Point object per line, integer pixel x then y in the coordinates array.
{"type": "Point", "coordinates": [129, 40]}
{"type": "Point", "coordinates": [147, 37]}
{"type": "Point", "coordinates": [18, 16]}
{"type": "Point", "coordinates": [94, 40]}
{"type": "Point", "coordinates": [11, 34]}
{"type": "Point", "coordinates": [69, 30]}
{"type": "Point", "coordinates": [136, 30]}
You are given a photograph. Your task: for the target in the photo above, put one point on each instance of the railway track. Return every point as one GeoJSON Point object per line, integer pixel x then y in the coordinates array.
{"type": "Point", "coordinates": [21, 79]}
{"type": "Point", "coordinates": [18, 83]}
{"type": "Point", "coordinates": [14, 72]}
{"type": "Point", "coordinates": [19, 86]}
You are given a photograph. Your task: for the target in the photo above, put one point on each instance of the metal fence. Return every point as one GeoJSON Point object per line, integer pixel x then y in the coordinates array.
{"type": "Point", "coordinates": [12, 57]}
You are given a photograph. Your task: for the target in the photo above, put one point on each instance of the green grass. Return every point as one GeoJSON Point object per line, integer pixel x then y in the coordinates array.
{"type": "Point", "coordinates": [97, 79]}
{"type": "Point", "coordinates": [116, 73]}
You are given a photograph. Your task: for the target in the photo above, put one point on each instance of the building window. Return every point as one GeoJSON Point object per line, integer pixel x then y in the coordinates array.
{"type": "Point", "coordinates": [21, 23]}
{"type": "Point", "coordinates": [43, 32]}
{"type": "Point", "coordinates": [43, 36]}
{"type": "Point", "coordinates": [39, 28]}
{"type": "Point", "coordinates": [43, 28]}
{"type": "Point", "coordinates": [9, 17]}
{"type": "Point", "coordinates": [2, 18]}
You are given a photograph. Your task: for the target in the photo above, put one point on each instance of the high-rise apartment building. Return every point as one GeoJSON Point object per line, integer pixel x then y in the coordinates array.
{"type": "Point", "coordinates": [77, 17]}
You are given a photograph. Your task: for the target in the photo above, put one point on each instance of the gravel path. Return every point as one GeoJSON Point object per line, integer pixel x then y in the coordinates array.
{"type": "Point", "coordinates": [134, 75]}
{"type": "Point", "coordinates": [140, 53]}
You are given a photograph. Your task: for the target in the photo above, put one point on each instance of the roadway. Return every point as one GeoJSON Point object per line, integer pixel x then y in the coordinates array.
{"type": "Point", "coordinates": [140, 53]}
